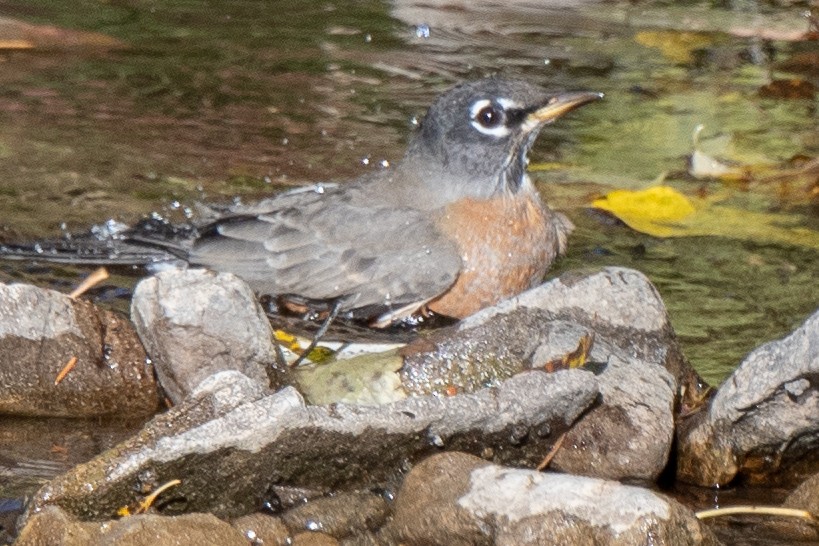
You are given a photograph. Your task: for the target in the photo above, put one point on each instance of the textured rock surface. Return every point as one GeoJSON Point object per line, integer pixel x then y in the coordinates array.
{"type": "Point", "coordinates": [230, 443]}
{"type": "Point", "coordinates": [53, 526]}
{"type": "Point", "coordinates": [457, 499]}
{"type": "Point", "coordinates": [763, 416]}
{"type": "Point", "coordinates": [195, 323]}
{"type": "Point", "coordinates": [628, 435]}
{"type": "Point", "coordinates": [42, 330]}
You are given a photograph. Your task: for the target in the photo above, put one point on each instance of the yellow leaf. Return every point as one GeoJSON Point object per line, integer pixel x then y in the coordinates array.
{"type": "Point", "coordinates": [656, 210]}
{"type": "Point", "coordinates": [674, 45]}
{"type": "Point", "coordinates": [662, 211]}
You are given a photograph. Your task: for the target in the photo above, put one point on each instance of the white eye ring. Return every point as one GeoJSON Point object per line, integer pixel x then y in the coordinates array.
{"type": "Point", "coordinates": [497, 131]}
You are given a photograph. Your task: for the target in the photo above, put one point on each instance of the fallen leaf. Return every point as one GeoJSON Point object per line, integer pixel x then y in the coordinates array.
{"type": "Point", "coordinates": [656, 211]}
{"type": "Point", "coordinates": [675, 45]}
{"type": "Point", "coordinates": [574, 359]}
{"type": "Point", "coordinates": [662, 211]}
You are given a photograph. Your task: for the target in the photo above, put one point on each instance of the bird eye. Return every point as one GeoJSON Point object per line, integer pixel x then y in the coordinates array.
{"type": "Point", "coordinates": [489, 117]}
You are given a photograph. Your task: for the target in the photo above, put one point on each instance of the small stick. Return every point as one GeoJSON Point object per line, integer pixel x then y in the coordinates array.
{"type": "Point", "coordinates": [552, 452]}
{"type": "Point", "coordinates": [766, 510]}
{"type": "Point", "coordinates": [319, 334]}
{"type": "Point", "coordinates": [67, 368]}
{"type": "Point", "coordinates": [96, 277]}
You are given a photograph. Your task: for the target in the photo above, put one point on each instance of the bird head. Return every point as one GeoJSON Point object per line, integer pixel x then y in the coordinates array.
{"type": "Point", "coordinates": [474, 139]}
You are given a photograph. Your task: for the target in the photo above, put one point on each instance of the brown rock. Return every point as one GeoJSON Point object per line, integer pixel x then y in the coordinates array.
{"type": "Point", "coordinates": [52, 526]}
{"type": "Point", "coordinates": [314, 539]}
{"type": "Point", "coordinates": [42, 330]}
{"type": "Point", "coordinates": [339, 516]}
{"type": "Point", "coordinates": [263, 529]}
{"type": "Point", "coordinates": [458, 499]}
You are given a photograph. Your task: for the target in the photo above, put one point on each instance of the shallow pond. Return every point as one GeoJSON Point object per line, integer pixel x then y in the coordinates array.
{"type": "Point", "coordinates": [152, 106]}
{"type": "Point", "coordinates": [159, 105]}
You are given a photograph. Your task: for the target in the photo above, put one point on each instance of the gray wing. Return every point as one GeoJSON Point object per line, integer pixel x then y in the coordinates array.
{"type": "Point", "coordinates": [333, 246]}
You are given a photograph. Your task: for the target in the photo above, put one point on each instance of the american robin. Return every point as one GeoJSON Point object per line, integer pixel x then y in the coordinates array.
{"type": "Point", "coordinates": [456, 226]}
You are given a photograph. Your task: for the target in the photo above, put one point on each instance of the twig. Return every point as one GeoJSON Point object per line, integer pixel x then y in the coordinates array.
{"type": "Point", "coordinates": [96, 277]}
{"type": "Point", "coordinates": [552, 452]}
{"type": "Point", "coordinates": [766, 510]}
{"type": "Point", "coordinates": [67, 368]}
{"type": "Point", "coordinates": [319, 334]}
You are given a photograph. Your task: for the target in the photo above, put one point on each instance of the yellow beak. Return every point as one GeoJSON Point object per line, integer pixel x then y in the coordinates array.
{"type": "Point", "coordinates": [559, 105]}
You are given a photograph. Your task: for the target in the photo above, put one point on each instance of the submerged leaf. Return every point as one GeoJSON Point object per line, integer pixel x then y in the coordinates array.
{"type": "Point", "coordinates": [662, 211]}
{"type": "Point", "coordinates": [656, 210]}
{"type": "Point", "coordinates": [677, 46]}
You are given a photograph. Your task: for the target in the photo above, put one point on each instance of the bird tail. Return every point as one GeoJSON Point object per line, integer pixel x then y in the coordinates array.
{"type": "Point", "coordinates": [151, 241]}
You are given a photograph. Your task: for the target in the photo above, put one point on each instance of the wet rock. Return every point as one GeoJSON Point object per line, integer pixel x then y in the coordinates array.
{"type": "Point", "coordinates": [339, 516]}
{"type": "Point", "coordinates": [314, 539]}
{"type": "Point", "coordinates": [805, 497]}
{"type": "Point", "coordinates": [53, 526]}
{"type": "Point", "coordinates": [195, 323]}
{"type": "Point", "coordinates": [229, 443]}
{"type": "Point", "coordinates": [263, 529]}
{"type": "Point", "coordinates": [42, 330]}
{"type": "Point", "coordinates": [765, 415]}
{"type": "Point", "coordinates": [629, 434]}
{"type": "Point", "coordinates": [457, 499]}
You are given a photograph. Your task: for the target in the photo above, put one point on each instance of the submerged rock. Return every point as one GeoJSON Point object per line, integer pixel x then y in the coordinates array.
{"type": "Point", "coordinates": [41, 331]}
{"type": "Point", "coordinates": [764, 416]}
{"type": "Point", "coordinates": [455, 499]}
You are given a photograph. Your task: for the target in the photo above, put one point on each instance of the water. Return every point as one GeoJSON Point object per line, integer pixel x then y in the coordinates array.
{"type": "Point", "coordinates": [215, 102]}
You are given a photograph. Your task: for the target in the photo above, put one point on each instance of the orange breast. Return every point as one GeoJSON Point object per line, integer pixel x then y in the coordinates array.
{"type": "Point", "coordinates": [506, 243]}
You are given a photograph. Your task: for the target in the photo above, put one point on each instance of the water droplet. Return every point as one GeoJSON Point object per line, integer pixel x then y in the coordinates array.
{"type": "Point", "coordinates": [365, 160]}
{"type": "Point", "coordinates": [547, 62]}
{"type": "Point", "coordinates": [385, 164]}
{"type": "Point", "coordinates": [422, 31]}
{"type": "Point", "coordinates": [311, 525]}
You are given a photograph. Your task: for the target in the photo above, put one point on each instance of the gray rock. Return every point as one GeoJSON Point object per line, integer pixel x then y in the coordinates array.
{"type": "Point", "coordinates": [195, 323]}
{"type": "Point", "coordinates": [629, 434]}
{"type": "Point", "coordinates": [53, 526]}
{"type": "Point", "coordinates": [763, 416]}
{"type": "Point", "coordinates": [457, 499]}
{"type": "Point", "coordinates": [41, 330]}
{"type": "Point", "coordinates": [228, 446]}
